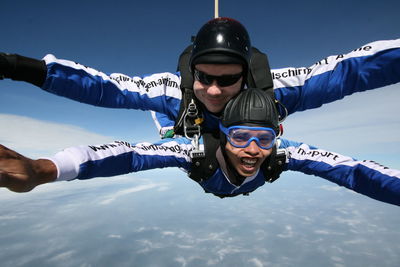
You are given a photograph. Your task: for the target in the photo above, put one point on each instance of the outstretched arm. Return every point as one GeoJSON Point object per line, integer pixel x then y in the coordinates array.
{"type": "Point", "coordinates": [159, 92]}
{"type": "Point", "coordinates": [21, 174]}
{"type": "Point", "coordinates": [368, 67]}
{"type": "Point", "coordinates": [362, 176]}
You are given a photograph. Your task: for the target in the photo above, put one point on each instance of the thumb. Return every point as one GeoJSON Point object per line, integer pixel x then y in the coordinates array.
{"type": "Point", "coordinates": [12, 183]}
{"type": "Point", "coordinates": [3, 180]}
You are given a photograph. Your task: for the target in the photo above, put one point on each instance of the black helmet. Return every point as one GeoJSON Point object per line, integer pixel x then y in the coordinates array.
{"type": "Point", "coordinates": [252, 107]}
{"type": "Point", "coordinates": [221, 41]}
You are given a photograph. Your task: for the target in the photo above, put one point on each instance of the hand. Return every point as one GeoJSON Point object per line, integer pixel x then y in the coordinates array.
{"type": "Point", "coordinates": [3, 65]}
{"type": "Point", "coordinates": [21, 174]}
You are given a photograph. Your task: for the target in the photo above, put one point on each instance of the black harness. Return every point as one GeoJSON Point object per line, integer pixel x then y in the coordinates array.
{"type": "Point", "coordinates": [190, 117]}
{"type": "Point", "coordinates": [259, 76]}
{"type": "Point", "coordinates": [204, 167]}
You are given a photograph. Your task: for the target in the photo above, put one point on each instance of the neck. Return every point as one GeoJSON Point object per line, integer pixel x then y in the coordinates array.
{"type": "Point", "coordinates": [233, 176]}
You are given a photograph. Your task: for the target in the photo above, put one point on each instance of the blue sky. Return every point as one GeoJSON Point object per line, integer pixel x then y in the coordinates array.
{"type": "Point", "coordinates": [153, 218]}
{"type": "Point", "coordinates": [141, 37]}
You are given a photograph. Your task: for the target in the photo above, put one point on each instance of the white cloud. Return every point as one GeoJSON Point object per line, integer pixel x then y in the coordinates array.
{"type": "Point", "coordinates": [256, 262]}
{"type": "Point", "coordinates": [113, 196]}
{"type": "Point", "coordinates": [148, 246]}
{"type": "Point", "coordinates": [7, 217]}
{"type": "Point", "coordinates": [355, 241]}
{"type": "Point", "coordinates": [229, 249]}
{"type": "Point", "coordinates": [168, 233]}
{"type": "Point", "coordinates": [364, 122]}
{"type": "Point", "coordinates": [62, 257]}
{"type": "Point", "coordinates": [333, 188]}
{"type": "Point", "coordinates": [181, 260]}
{"type": "Point", "coordinates": [288, 233]}
{"type": "Point", "coordinates": [42, 138]}
{"type": "Point", "coordinates": [113, 236]}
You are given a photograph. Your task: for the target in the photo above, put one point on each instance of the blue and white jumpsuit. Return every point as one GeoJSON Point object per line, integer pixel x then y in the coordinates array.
{"type": "Point", "coordinates": [117, 158]}
{"type": "Point", "coordinates": [371, 66]}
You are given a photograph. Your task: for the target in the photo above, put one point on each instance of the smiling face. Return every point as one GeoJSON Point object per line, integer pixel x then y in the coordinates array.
{"type": "Point", "coordinates": [213, 96]}
{"type": "Point", "coordinates": [247, 160]}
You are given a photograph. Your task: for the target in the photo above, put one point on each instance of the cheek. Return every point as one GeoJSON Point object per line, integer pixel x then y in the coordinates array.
{"type": "Point", "coordinates": [197, 85]}
{"type": "Point", "coordinates": [231, 152]}
{"type": "Point", "coordinates": [198, 89]}
{"type": "Point", "coordinates": [266, 153]}
{"type": "Point", "coordinates": [233, 90]}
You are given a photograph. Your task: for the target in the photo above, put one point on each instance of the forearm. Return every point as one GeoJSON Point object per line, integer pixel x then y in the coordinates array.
{"type": "Point", "coordinates": [117, 158]}
{"type": "Point", "coordinates": [46, 171]}
{"type": "Point", "coordinates": [158, 92]}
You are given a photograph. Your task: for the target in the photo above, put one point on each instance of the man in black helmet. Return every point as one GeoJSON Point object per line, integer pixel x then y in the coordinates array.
{"type": "Point", "coordinates": [249, 129]}
{"type": "Point", "coordinates": [219, 62]}
{"type": "Point", "coordinates": [222, 60]}
{"type": "Point", "coordinates": [219, 66]}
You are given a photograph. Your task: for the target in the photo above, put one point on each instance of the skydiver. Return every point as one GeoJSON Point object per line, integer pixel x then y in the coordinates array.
{"type": "Point", "coordinates": [248, 152]}
{"type": "Point", "coordinates": [219, 64]}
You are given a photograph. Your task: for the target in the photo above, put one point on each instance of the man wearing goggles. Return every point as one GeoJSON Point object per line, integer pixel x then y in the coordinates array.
{"type": "Point", "coordinates": [248, 147]}
{"type": "Point", "coordinates": [249, 127]}
{"type": "Point", "coordinates": [242, 136]}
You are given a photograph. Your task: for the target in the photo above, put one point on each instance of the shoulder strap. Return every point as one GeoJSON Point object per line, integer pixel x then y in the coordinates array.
{"type": "Point", "coordinates": [273, 166]}
{"type": "Point", "coordinates": [259, 75]}
{"type": "Point", "coordinates": [186, 88]}
{"type": "Point", "coordinates": [184, 68]}
{"type": "Point", "coordinates": [203, 168]}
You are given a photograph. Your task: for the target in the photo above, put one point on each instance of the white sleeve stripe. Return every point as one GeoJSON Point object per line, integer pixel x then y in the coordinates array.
{"type": "Point", "coordinates": [155, 85]}
{"type": "Point", "coordinates": [376, 167]}
{"type": "Point", "coordinates": [165, 149]}
{"type": "Point", "coordinates": [304, 153]}
{"type": "Point", "coordinates": [297, 76]}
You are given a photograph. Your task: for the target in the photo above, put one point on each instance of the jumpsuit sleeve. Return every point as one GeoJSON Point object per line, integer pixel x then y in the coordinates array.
{"type": "Point", "coordinates": [159, 92]}
{"type": "Point", "coordinates": [371, 66]}
{"type": "Point", "coordinates": [362, 176]}
{"type": "Point", "coordinates": [117, 158]}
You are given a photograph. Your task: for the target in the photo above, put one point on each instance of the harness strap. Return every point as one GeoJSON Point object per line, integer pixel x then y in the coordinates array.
{"type": "Point", "coordinates": [272, 167]}
{"type": "Point", "coordinates": [186, 88]}
{"type": "Point", "coordinates": [204, 167]}
{"type": "Point", "coordinates": [259, 72]}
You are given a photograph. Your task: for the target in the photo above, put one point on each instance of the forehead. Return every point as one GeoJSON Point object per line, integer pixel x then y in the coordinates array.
{"type": "Point", "coordinates": [219, 69]}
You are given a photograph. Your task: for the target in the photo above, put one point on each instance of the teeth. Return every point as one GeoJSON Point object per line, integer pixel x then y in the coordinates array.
{"type": "Point", "coordinates": [250, 162]}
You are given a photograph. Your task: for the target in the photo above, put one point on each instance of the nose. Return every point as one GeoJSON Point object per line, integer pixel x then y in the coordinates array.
{"type": "Point", "coordinates": [252, 148]}
{"type": "Point", "coordinates": [214, 89]}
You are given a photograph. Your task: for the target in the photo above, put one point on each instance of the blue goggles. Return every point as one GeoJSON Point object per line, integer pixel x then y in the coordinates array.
{"type": "Point", "coordinates": [242, 136]}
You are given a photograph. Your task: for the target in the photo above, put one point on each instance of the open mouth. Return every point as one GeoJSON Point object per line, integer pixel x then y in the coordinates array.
{"type": "Point", "coordinates": [248, 162]}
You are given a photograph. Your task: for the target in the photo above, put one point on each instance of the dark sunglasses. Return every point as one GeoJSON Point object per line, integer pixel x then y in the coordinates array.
{"type": "Point", "coordinates": [223, 80]}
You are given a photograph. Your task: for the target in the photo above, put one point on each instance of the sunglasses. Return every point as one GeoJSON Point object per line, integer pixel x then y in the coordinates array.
{"type": "Point", "coordinates": [242, 136]}
{"type": "Point", "coordinates": [223, 80]}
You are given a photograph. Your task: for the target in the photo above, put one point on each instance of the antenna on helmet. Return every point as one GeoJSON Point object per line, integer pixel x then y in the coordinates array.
{"type": "Point", "coordinates": [216, 9]}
